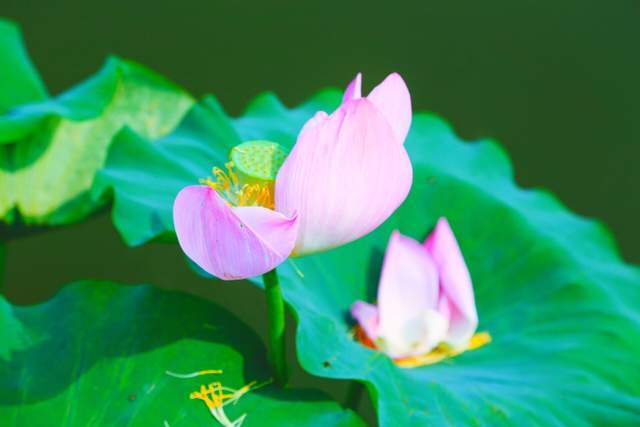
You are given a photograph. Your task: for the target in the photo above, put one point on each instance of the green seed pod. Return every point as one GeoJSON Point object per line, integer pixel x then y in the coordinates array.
{"type": "Point", "coordinates": [258, 160]}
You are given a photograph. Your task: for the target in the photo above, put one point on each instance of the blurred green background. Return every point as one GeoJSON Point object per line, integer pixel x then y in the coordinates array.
{"type": "Point", "coordinates": [557, 83]}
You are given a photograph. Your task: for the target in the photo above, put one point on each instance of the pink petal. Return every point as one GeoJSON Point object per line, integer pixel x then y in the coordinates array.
{"type": "Point", "coordinates": [455, 283]}
{"type": "Point", "coordinates": [408, 286]}
{"type": "Point", "coordinates": [344, 177]}
{"type": "Point", "coordinates": [392, 98]}
{"type": "Point", "coordinates": [444, 306]}
{"type": "Point", "coordinates": [314, 122]}
{"type": "Point", "coordinates": [230, 243]}
{"type": "Point", "coordinates": [367, 316]}
{"type": "Point", "coordinates": [354, 90]}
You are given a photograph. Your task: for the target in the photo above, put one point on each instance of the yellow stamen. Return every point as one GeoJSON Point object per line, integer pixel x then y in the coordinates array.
{"type": "Point", "coordinates": [478, 340]}
{"type": "Point", "coordinates": [442, 352]}
{"type": "Point", "coordinates": [216, 396]}
{"type": "Point", "coordinates": [194, 374]}
{"type": "Point", "coordinates": [213, 396]}
{"type": "Point", "coordinates": [255, 195]}
{"type": "Point", "coordinates": [228, 185]}
{"type": "Point", "coordinates": [436, 355]}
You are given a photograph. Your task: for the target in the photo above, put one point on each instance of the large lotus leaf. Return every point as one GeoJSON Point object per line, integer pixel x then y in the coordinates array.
{"type": "Point", "coordinates": [101, 354]}
{"type": "Point", "coordinates": [146, 177]}
{"type": "Point", "coordinates": [52, 148]}
{"type": "Point", "coordinates": [19, 81]}
{"type": "Point", "coordinates": [13, 336]}
{"type": "Point", "coordinates": [86, 101]}
{"type": "Point", "coordinates": [550, 288]}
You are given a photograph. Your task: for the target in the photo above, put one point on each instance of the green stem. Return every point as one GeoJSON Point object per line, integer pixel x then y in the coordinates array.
{"type": "Point", "coordinates": [354, 395]}
{"type": "Point", "coordinates": [275, 312]}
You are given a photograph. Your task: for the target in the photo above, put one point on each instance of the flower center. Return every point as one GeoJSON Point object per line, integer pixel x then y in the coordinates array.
{"type": "Point", "coordinates": [250, 174]}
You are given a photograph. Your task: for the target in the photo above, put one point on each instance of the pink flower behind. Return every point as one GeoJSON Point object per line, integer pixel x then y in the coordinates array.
{"type": "Point", "coordinates": [346, 174]}
{"type": "Point", "coordinates": [425, 297]}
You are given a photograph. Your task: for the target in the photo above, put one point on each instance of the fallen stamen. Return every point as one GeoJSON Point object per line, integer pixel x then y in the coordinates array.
{"type": "Point", "coordinates": [216, 397]}
{"type": "Point", "coordinates": [194, 374]}
{"type": "Point", "coordinates": [443, 352]}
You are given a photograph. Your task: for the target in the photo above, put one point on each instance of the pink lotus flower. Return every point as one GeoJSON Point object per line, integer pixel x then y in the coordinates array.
{"type": "Point", "coordinates": [425, 297]}
{"type": "Point", "coordinates": [346, 174]}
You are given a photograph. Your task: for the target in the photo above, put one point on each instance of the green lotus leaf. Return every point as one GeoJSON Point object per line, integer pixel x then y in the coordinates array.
{"type": "Point", "coordinates": [13, 336]}
{"type": "Point", "coordinates": [52, 147]}
{"type": "Point", "coordinates": [19, 80]}
{"type": "Point", "coordinates": [145, 177]}
{"type": "Point", "coordinates": [102, 354]}
{"type": "Point", "coordinates": [550, 287]}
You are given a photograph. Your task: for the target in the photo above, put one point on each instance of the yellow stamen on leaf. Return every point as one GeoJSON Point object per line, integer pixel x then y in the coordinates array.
{"type": "Point", "coordinates": [442, 352]}
{"type": "Point", "coordinates": [194, 374]}
{"type": "Point", "coordinates": [478, 340]}
{"type": "Point", "coordinates": [213, 396]}
{"type": "Point", "coordinates": [216, 396]}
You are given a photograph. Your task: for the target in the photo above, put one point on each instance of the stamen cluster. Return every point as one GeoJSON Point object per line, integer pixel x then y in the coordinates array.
{"type": "Point", "coordinates": [230, 187]}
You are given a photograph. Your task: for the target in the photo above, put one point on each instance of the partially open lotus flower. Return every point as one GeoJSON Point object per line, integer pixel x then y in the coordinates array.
{"type": "Point", "coordinates": [346, 174]}
{"type": "Point", "coordinates": [425, 308]}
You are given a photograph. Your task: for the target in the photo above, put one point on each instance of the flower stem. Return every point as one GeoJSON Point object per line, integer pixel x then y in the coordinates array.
{"type": "Point", "coordinates": [275, 312]}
